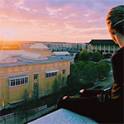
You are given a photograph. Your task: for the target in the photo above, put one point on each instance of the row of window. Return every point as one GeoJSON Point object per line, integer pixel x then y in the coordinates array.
{"type": "Point", "coordinates": [54, 73]}
{"type": "Point", "coordinates": [50, 74]}
{"type": "Point", "coordinates": [23, 80]}
{"type": "Point", "coordinates": [18, 81]}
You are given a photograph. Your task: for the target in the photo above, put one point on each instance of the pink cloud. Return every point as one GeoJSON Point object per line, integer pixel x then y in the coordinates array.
{"type": "Point", "coordinates": [54, 20]}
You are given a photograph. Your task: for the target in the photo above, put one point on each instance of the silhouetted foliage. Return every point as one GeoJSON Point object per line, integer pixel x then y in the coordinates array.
{"type": "Point", "coordinates": [96, 56]}
{"type": "Point", "coordinates": [76, 57]}
{"type": "Point", "coordinates": [35, 91]}
{"type": "Point", "coordinates": [84, 56]}
{"type": "Point", "coordinates": [103, 69]}
{"type": "Point", "coordinates": [55, 85]}
{"type": "Point", "coordinates": [87, 69]}
{"type": "Point", "coordinates": [88, 56]}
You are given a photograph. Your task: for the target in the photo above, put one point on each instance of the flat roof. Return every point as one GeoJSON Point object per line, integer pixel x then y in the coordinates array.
{"type": "Point", "coordinates": [63, 116]}
{"type": "Point", "coordinates": [61, 53]}
{"type": "Point", "coordinates": [25, 61]}
{"type": "Point", "coordinates": [102, 42]}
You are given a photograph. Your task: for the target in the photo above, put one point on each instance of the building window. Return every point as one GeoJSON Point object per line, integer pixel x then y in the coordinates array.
{"type": "Point", "coordinates": [63, 71]}
{"type": "Point", "coordinates": [12, 82]}
{"type": "Point", "coordinates": [25, 80]}
{"type": "Point", "coordinates": [22, 81]}
{"type": "Point", "coordinates": [18, 81]}
{"type": "Point", "coordinates": [51, 74]}
{"type": "Point", "coordinates": [35, 76]}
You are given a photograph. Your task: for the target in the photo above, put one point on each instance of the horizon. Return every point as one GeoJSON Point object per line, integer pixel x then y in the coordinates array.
{"type": "Point", "coordinates": [54, 20]}
{"type": "Point", "coordinates": [17, 41]}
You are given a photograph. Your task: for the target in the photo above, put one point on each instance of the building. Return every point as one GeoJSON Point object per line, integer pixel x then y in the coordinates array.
{"type": "Point", "coordinates": [30, 73]}
{"type": "Point", "coordinates": [63, 46]}
{"type": "Point", "coordinates": [104, 46]}
{"type": "Point", "coordinates": [65, 53]}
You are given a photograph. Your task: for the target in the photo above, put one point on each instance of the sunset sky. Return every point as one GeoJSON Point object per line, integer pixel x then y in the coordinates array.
{"type": "Point", "coordinates": [54, 20]}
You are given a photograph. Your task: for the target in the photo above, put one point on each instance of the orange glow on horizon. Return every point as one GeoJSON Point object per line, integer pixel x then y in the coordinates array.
{"type": "Point", "coordinates": [7, 45]}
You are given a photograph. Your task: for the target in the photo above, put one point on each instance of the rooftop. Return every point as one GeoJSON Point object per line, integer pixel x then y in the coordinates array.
{"type": "Point", "coordinates": [25, 58]}
{"type": "Point", "coordinates": [102, 42]}
{"type": "Point", "coordinates": [39, 46]}
{"type": "Point", "coordinates": [61, 53]}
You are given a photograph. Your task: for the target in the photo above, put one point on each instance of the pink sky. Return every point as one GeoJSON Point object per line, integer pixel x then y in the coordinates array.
{"type": "Point", "coordinates": [54, 20]}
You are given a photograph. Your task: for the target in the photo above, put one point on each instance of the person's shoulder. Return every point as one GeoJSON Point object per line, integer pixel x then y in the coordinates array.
{"type": "Point", "coordinates": [119, 54]}
{"type": "Point", "coordinates": [120, 51]}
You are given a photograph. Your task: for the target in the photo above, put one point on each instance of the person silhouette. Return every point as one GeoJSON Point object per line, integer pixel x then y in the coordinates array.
{"type": "Point", "coordinates": [115, 24]}
{"type": "Point", "coordinates": [110, 111]}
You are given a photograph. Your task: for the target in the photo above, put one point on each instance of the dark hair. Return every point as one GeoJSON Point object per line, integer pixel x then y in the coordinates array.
{"type": "Point", "coordinates": [115, 18]}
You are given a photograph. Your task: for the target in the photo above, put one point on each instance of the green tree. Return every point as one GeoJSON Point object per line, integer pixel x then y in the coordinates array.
{"type": "Point", "coordinates": [103, 68]}
{"type": "Point", "coordinates": [58, 83]}
{"type": "Point", "coordinates": [96, 56]}
{"type": "Point", "coordinates": [90, 72]}
{"type": "Point", "coordinates": [88, 56]}
{"type": "Point", "coordinates": [55, 85]}
{"type": "Point", "coordinates": [35, 91]}
{"type": "Point", "coordinates": [26, 96]}
{"type": "Point", "coordinates": [83, 74]}
{"type": "Point", "coordinates": [73, 79]}
{"type": "Point", "coordinates": [84, 56]}
{"type": "Point", "coordinates": [76, 59]}
{"type": "Point", "coordinates": [87, 69]}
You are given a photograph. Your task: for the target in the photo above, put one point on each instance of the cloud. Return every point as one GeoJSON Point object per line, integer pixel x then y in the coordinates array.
{"type": "Point", "coordinates": [53, 12]}
{"type": "Point", "coordinates": [56, 19]}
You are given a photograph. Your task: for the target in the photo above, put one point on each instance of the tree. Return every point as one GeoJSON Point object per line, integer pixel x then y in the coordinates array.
{"type": "Point", "coordinates": [26, 96]}
{"type": "Point", "coordinates": [103, 68]}
{"type": "Point", "coordinates": [82, 75]}
{"type": "Point", "coordinates": [58, 83]}
{"type": "Point", "coordinates": [88, 56]}
{"type": "Point", "coordinates": [55, 85]}
{"type": "Point", "coordinates": [90, 72]}
{"type": "Point", "coordinates": [96, 56]}
{"type": "Point", "coordinates": [76, 59]}
{"type": "Point", "coordinates": [86, 73]}
{"type": "Point", "coordinates": [87, 69]}
{"type": "Point", "coordinates": [84, 56]}
{"type": "Point", "coordinates": [73, 78]}
{"type": "Point", "coordinates": [35, 91]}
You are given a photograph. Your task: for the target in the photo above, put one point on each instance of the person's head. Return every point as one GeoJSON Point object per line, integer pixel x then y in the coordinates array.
{"type": "Point", "coordinates": [115, 23]}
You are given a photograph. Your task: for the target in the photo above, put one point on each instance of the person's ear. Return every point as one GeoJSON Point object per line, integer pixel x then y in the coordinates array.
{"type": "Point", "coordinates": [113, 31]}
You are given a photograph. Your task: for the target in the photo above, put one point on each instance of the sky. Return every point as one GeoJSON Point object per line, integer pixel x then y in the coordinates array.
{"type": "Point", "coordinates": [54, 20]}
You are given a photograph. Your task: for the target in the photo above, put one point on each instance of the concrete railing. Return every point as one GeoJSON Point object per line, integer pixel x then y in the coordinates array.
{"type": "Point", "coordinates": [27, 116]}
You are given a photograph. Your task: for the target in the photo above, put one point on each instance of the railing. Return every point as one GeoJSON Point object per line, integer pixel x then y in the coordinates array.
{"type": "Point", "coordinates": [24, 117]}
